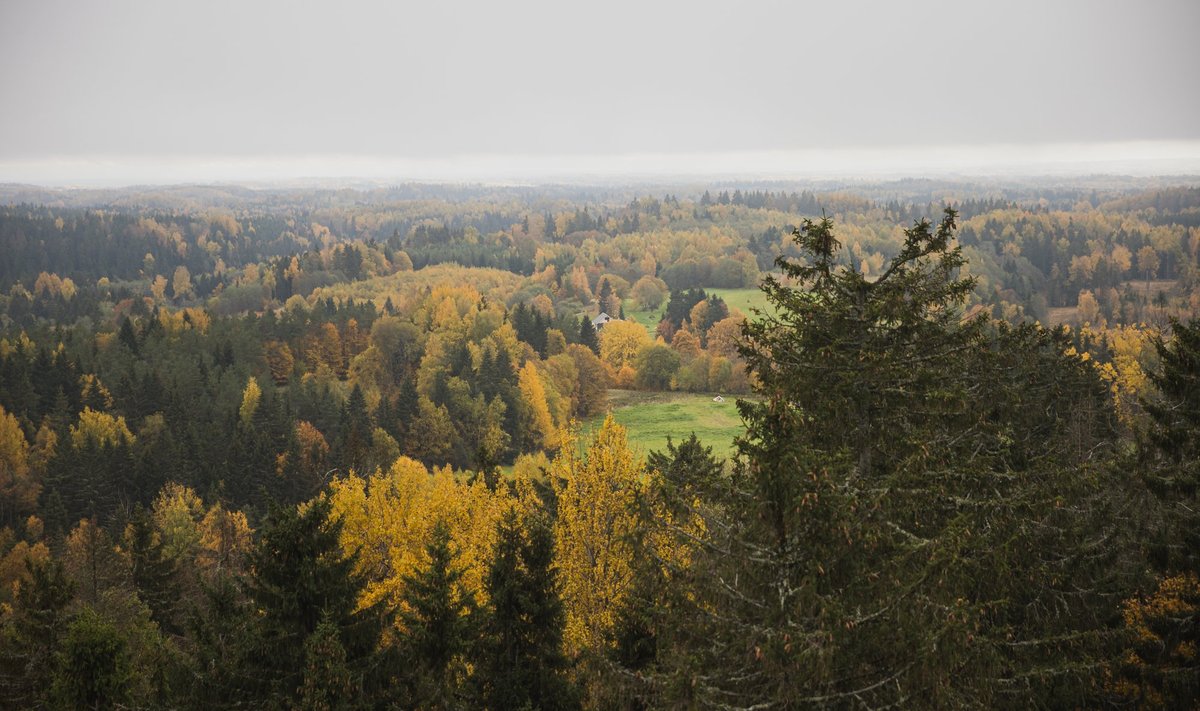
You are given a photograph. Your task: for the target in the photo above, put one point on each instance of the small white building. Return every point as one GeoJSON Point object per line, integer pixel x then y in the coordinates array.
{"type": "Point", "coordinates": [599, 321]}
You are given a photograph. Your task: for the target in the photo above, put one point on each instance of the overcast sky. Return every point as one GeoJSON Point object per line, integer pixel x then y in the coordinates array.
{"type": "Point", "coordinates": [436, 83]}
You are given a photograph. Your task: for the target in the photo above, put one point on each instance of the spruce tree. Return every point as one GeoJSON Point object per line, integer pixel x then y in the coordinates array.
{"type": "Point", "coordinates": [302, 578]}
{"type": "Point", "coordinates": [1175, 432]}
{"type": "Point", "coordinates": [93, 669]}
{"type": "Point", "coordinates": [438, 622]}
{"type": "Point", "coordinates": [328, 681]}
{"type": "Point", "coordinates": [222, 631]}
{"type": "Point", "coordinates": [587, 335]}
{"type": "Point", "coordinates": [687, 470]}
{"type": "Point", "coordinates": [354, 432]}
{"type": "Point", "coordinates": [520, 661]}
{"type": "Point", "coordinates": [900, 456]}
{"type": "Point", "coordinates": [31, 634]}
{"type": "Point", "coordinates": [154, 574]}
{"type": "Point", "coordinates": [688, 474]}
{"type": "Point", "coordinates": [605, 295]}
{"type": "Point", "coordinates": [128, 338]}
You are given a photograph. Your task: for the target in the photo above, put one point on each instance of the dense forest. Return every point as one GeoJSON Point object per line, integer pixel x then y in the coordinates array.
{"type": "Point", "coordinates": [308, 448]}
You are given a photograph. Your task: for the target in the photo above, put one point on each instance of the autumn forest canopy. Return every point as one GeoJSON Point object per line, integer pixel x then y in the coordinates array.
{"type": "Point", "coordinates": [378, 447]}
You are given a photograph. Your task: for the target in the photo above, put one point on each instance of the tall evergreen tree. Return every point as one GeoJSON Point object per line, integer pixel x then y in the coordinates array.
{"type": "Point", "coordinates": [520, 661]}
{"type": "Point", "coordinates": [1159, 666]}
{"type": "Point", "coordinates": [688, 475]}
{"type": "Point", "coordinates": [438, 621]}
{"type": "Point", "coordinates": [154, 574]}
{"type": "Point", "coordinates": [900, 456]}
{"type": "Point", "coordinates": [353, 444]}
{"type": "Point", "coordinates": [605, 295]}
{"type": "Point", "coordinates": [587, 335]}
{"type": "Point", "coordinates": [1171, 449]}
{"type": "Point", "coordinates": [300, 579]}
{"type": "Point", "coordinates": [688, 470]}
{"type": "Point", "coordinates": [128, 338]}
{"type": "Point", "coordinates": [31, 634]}
{"type": "Point", "coordinates": [93, 668]}
{"type": "Point", "coordinates": [328, 681]}
{"type": "Point", "coordinates": [221, 629]}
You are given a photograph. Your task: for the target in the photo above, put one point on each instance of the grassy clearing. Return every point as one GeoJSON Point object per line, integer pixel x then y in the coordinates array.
{"type": "Point", "coordinates": [1058, 315]}
{"type": "Point", "coordinates": [744, 300]}
{"type": "Point", "coordinates": [1138, 286]}
{"type": "Point", "coordinates": [649, 319]}
{"type": "Point", "coordinates": [651, 417]}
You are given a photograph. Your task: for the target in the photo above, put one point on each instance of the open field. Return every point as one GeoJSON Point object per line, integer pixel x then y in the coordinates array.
{"type": "Point", "coordinates": [1058, 315]}
{"type": "Point", "coordinates": [743, 300]}
{"type": "Point", "coordinates": [649, 319]}
{"type": "Point", "coordinates": [651, 416]}
{"type": "Point", "coordinates": [1156, 286]}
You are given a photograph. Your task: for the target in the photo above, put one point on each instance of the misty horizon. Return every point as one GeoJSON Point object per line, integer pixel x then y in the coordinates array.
{"type": "Point", "coordinates": [1134, 158]}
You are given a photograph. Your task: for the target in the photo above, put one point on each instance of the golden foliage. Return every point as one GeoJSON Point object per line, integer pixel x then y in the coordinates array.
{"type": "Point", "coordinates": [279, 360]}
{"type": "Point", "coordinates": [596, 493]}
{"type": "Point", "coordinates": [181, 282]}
{"type": "Point", "coordinates": [158, 287]}
{"type": "Point", "coordinates": [45, 444]}
{"type": "Point", "coordinates": [724, 336]}
{"type": "Point", "coordinates": [92, 562]}
{"type": "Point", "coordinates": [1161, 667]}
{"type": "Point", "coordinates": [225, 540]}
{"type": "Point", "coordinates": [250, 399]}
{"type": "Point", "coordinates": [177, 321]}
{"type": "Point", "coordinates": [1132, 352]}
{"type": "Point", "coordinates": [388, 517]}
{"type": "Point", "coordinates": [530, 384]}
{"type": "Point", "coordinates": [312, 445]}
{"type": "Point", "coordinates": [685, 344]}
{"type": "Point", "coordinates": [100, 428]}
{"type": "Point", "coordinates": [176, 513]}
{"type": "Point", "coordinates": [620, 343]}
{"type": "Point", "coordinates": [1088, 310]}
{"type": "Point", "coordinates": [13, 571]}
{"type": "Point", "coordinates": [19, 488]}
{"type": "Point", "coordinates": [325, 349]}
{"type": "Point", "coordinates": [53, 285]}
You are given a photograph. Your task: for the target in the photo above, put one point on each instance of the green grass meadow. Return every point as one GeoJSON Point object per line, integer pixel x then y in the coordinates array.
{"type": "Point", "coordinates": [650, 417]}
{"type": "Point", "coordinates": [744, 300]}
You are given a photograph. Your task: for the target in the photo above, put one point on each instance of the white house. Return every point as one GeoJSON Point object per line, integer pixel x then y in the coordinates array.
{"type": "Point", "coordinates": [599, 321]}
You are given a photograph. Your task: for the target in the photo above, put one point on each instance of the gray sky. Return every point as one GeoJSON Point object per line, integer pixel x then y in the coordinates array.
{"type": "Point", "coordinates": [432, 84]}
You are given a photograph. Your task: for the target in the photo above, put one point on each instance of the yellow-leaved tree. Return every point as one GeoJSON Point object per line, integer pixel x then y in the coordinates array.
{"type": "Point", "coordinates": [100, 428]}
{"type": "Point", "coordinates": [388, 517]}
{"type": "Point", "coordinates": [251, 396]}
{"type": "Point", "coordinates": [597, 517]}
{"type": "Point", "coordinates": [19, 488]}
{"type": "Point", "coordinates": [534, 393]}
{"type": "Point", "coordinates": [176, 513]}
{"type": "Point", "coordinates": [226, 540]}
{"type": "Point", "coordinates": [620, 343]}
{"type": "Point", "coordinates": [1159, 668]}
